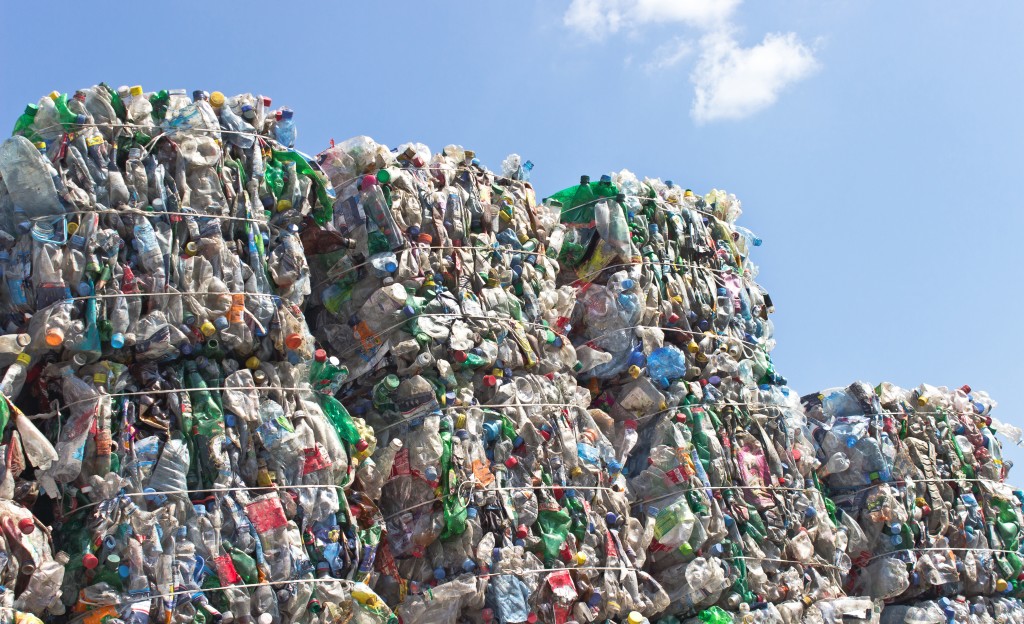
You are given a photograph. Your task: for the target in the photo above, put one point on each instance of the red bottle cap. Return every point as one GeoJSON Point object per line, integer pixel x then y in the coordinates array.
{"type": "Point", "coordinates": [511, 462]}
{"type": "Point", "coordinates": [966, 389]}
{"type": "Point", "coordinates": [522, 531]}
{"type": "Point", "coordinates": [673, 318]}
{"type": "Point", "coordinates": [460, 356]}
{"type": "Point", "coordinates": [362, 445]}
{"type": "Point", "coordinates": [490, 381]}
{"type": "Point", "coordinates": [293, 341]}
{"type": "Point", "coordinates": [90, 561]}
{"type": "Point", "coordinates": [320, 355]}
{"type": "Point", "coordinates": [27, 525]}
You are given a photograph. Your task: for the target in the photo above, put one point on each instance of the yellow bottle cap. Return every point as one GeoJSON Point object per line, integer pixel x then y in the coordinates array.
{"type": "Point", "coordinates": [634, 371]}
{"type": "Point", "coordinates": [252, 363]}
{"type": "Point", "coordinates": [1001, 585]}
{"type": "Point", "coordinates": [191, 248]}
{"type": "Point", "coordinates": [41, 145]}
{"type": "Point", "coordinates": [72, 228]}
{"type": "Point", "coordinates": [284, 204]}
{"type": "Point", "coordinates": [136, 91]}
{"type": "Point", "coordinates": [635, 618]}
{"type": "Point", "coordinates": [99, 378]}
{"type": "Point", "coordinates": [208, 328]}
{"type": "Point", "coordinates": [581, 558]}
{"type": "Point", "coordinates": [216, 99]}
{"type": "Point", "coordinates": [24, 358]}
{"type": "Point", "coordinates": [54, 95]}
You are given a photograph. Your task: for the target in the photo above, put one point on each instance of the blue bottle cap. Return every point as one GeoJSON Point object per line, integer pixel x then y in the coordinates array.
{"type": "Point", "coordinates": [595, 599]}
{"type": "Point", "coordinates": [185, 348]}
{"type": "Point", "coordinates": [810, 512]}
{"type": "Point", "coordinates": [229, 419]}
{"type": "Point", "coordinates": [468, 565]}
{"type": "Point", "coordinates": [439, 573]}
{"type": "Point", "coordinates": [722, 292]}
{"type": "Point", "coordinates": [390, 267]}
{"type": "Point", "coordinates": [519, 441]}
{"type": "Point", "coordinates": [287, 113]}
{"type": "Point", "coordinates": [610, 518]}
{"type": "Point", "coordinates": [669, 183]}
{"type": "Point", "coordinates": [628, 284]}
{"type": "Point", "coordinates": [431, 473]}
{"type": "Point", "coordinates": [123, 571]}
{"type": "Point", "coordinates": [607, 179]}
{"type": "Point", "coordinates": [221, 323]}
{"type": "Point", "coordinates": [117, 340]}
{"type": "Point", "coordinates": [703, 325]}
{"type": "Point", "coordinates": [520, 542]}
{"type": "Point", "coordinates": [496, 554]}
{"type": "Point", "coordinates": [472, 512]}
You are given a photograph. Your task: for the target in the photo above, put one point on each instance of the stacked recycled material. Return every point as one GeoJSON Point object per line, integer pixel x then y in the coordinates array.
{"type": "Point", "coordinates": [386, 385]}
{"type": "Point", "coordinates": [917, 482]}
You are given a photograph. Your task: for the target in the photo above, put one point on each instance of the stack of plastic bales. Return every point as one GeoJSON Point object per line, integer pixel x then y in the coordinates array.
{"type": "Point", "coordinates": [722, 474]}
{"type": "Point", "coordinates": [176, 429]}
{"type": "Point", "coordinates": [386, 385]}
{"type": "Point", "coordinates": [919, 483]}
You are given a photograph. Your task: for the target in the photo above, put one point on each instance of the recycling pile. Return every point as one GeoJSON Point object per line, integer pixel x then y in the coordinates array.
{"type": "Point", "coordinates": [381, 385]}
{"type": "Point", "coordinates": [918, 483]}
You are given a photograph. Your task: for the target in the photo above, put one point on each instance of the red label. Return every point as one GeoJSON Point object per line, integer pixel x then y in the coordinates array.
{"type": "Point", "coordinates": [315, 459]}
{"type": "Point", "coordinates": [267, 514]}
{"type": "Point", "coordinates": [226, 570]}
{"type": "Point", "coordinates": [400, 467]}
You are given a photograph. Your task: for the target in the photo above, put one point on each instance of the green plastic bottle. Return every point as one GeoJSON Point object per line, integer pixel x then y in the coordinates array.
{"type": "Point", "coordinates": [24, 124]}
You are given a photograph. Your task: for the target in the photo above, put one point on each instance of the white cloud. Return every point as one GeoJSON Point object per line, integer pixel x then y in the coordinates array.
{"type": "Point", "coordinates": [669, 55]}
{"type": "Point", "coordinates": [597, 18]}
{"type": "Point", "coordinates": [731, 82]}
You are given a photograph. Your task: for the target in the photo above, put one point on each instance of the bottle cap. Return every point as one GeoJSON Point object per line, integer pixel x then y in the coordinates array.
{"type": "Point", "coordinates": [293, 341]}
{"type": "Point", "coordinates": [287, 113]}
{"type": "Point", "coordinates": [252, 363]}
{"type": "Point", "coordinates": [54, 337]}
{"type": "Point", "coordinates": [24, 340]}
{"type": "Point", "coordinates": [89, 561]}
{"type": "Point", "coordinates": [512, 462]}
{"type": "Point", "coordinates": [216, 101]}
{"type": "Point", "coordinates": [208, 329]}
{"type": "Point", "coordinates": [490, 381]}
{"type": "Point", "coordinates": [362, 445]}
{"type": "Point", "coordinates": [136, 91]}
{"type": "Point", "coordinates": [522, 531]}
{"type": "Point", "coordinates": [425, 238]}
{"type": "Point", "coordinates": [26, 525]}
{"type": "Point", "coordinates": [117, 340]}
{"type": "Point", "coordinates": [635, 618]}
{"type": "Point", "coordinates": [221, 323]}
{"type": "Point", "coordinates": [266, 618]}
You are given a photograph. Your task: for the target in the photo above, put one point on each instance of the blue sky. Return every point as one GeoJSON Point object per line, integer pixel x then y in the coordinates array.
{"type": "Point", "coordinates": [877, 146]}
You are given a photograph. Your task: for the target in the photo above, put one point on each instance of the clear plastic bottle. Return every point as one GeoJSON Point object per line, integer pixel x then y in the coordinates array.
{"type": "Point", "coordinates": [29, 178]}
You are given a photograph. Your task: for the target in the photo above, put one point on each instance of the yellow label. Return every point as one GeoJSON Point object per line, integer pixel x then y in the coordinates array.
{"type": "Point", "coordinates": [94, 140]}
